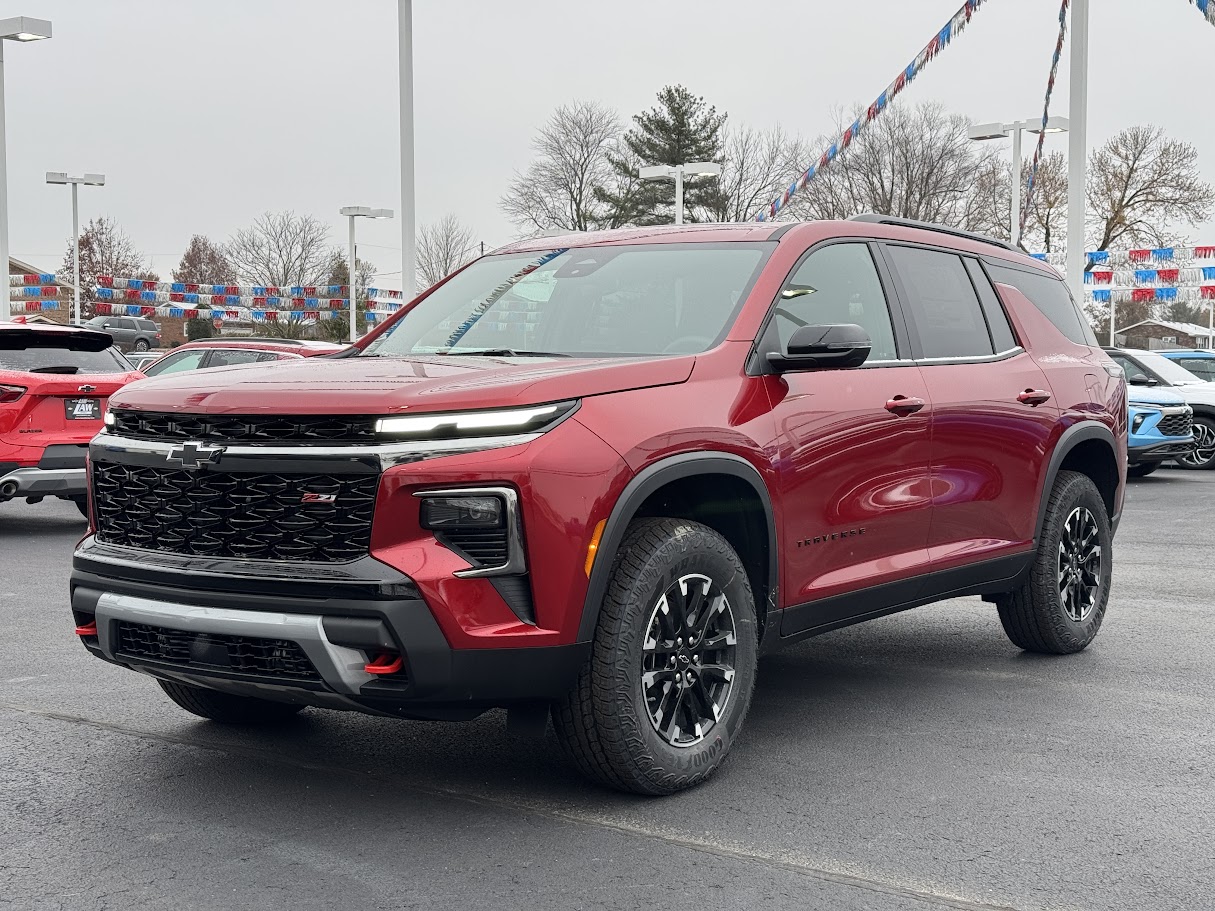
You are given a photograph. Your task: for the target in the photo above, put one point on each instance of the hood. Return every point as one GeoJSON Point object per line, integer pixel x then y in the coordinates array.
{"type": "Point", "coordinates": [1200, 393]}
{"type": "Point", "coordinates": [374, 385]}
{"type": "Point", "coordinates": [1154, 395]}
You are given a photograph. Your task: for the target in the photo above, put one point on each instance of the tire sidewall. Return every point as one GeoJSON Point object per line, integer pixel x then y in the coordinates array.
{"type": "Point", "coordinates": [695, 550]}
{"type": "Point", "coordinates": [1210, 463]}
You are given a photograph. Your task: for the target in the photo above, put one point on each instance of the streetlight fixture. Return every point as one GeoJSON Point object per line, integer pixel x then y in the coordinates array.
{"type": "Point", "coordinates": [353, 212]}
{"type": "Point", "coordinates": [89, 180]}
{"type": "Point", "coordinates": [19, 28]}
{"type": "Point", "coordinates": [679, 172]}
{"type": "Point", "coordinates": [984, 131]}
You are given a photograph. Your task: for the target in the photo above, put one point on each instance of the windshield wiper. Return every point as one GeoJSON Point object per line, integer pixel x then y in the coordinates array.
{"type": "Point", "coordinates": [502, 352]}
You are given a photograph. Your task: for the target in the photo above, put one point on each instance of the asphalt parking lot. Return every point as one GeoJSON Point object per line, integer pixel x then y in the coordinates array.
{"type": "Point", "coordinates": [916, 762]}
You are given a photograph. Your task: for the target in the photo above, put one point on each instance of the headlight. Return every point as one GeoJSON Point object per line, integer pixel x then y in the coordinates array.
{"type": "Point", "coordinates": [442, 513]}
{"type": "Point", "coordinates": [110, 420]}
{"type": "Point", "coordinates": [474, 423]}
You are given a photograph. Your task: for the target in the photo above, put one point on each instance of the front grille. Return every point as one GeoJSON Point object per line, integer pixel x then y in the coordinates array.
{"type": "Point", "coordinates": [276, 658]}
{"type": "Point", "coordinates": [241, 516]}
{"type": "Point", "coordinates": [1176, 425]}
{"type": "Point", "coordinates": [483, 547]}
{"type": "Point", "coordinates": [226, 428]}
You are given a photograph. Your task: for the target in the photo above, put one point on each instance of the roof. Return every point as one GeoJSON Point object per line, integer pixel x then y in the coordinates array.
{"type": "Point", "coordinates": [53, 328]}
{"type": "Point", "coordinates": [1180, 328]}
{"type": "Point", "coordinates": [297, 346]}
{"type": "Point", "coordinates": [1179, 354]}
{"type": "Point", "coordinates": [670, 234]}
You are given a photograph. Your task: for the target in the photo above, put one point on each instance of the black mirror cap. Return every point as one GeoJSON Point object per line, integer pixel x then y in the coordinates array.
{"type": "Point", "coordinates": [1140, 380]}
{"type": "Point", "coordinates": [839, 346]}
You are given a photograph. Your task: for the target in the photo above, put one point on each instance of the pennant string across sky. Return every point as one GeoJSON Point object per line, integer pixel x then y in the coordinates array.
{"type": "Point", "coordinates": [1050, 90]}
{"type": "Point", "coordinates": [952, 29]}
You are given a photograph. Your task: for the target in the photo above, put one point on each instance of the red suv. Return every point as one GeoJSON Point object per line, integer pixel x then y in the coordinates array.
{"type": "Point", "coordinates": [603, 473]}
{"type": "Point", "coordinates": [54, 385]}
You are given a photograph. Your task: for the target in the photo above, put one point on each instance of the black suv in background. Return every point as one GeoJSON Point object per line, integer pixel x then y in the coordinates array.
{"type": "Point", "coordinates": [131, 333]}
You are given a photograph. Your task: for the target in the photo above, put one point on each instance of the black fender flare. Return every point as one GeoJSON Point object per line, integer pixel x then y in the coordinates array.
{"type": "Point", "coordinates": [650, 479]}
{"type": "Point", "coordinates": [1071, 438]}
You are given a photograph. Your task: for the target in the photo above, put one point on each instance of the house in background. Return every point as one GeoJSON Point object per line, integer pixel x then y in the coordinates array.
{"type": "Point", "coordinates": [1156, 334]}
{"type": "Point", "coordinates": [53, 309]}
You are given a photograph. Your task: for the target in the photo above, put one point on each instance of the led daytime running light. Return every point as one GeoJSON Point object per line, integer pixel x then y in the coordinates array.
{"type": "Point", "coordinates": [465, 421]}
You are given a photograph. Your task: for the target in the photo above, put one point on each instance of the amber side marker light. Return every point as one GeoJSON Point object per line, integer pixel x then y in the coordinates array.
{"type": "Point", "coordinates": [593, 547]}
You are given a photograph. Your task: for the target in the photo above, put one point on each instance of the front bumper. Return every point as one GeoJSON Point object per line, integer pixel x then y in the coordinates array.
{"type": "Point", "coordinates": [339, 616]}
{"type": "Point", "coordinates": [1159, 452]}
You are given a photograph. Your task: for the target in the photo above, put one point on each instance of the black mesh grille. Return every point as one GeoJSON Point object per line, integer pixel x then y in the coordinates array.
{"type": "Point", "coordinates": [152, 425]}
{"type": "Point", "coordinates": [1176, 425]}
{"type": "Point", "coordinates": [242, 516]}
{"type": "Point", "coordinates": [485, 547]}
{"type": "Point", "coordinates": [277, 658]}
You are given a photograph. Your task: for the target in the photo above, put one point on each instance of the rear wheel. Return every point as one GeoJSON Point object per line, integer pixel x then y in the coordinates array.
{"type": "Point", "coordinates": [1142, 470]}
{"type": "Point", "coordinates": [1060, 607]}
{"type": "Point", "coordinates": [672, 669]}
{"type": "Point", "coordinates": [226, 708]}
{"type": "Point", "coordinates": [1203, 454]}
{"type": "Point", "coordinates": [142, 344]}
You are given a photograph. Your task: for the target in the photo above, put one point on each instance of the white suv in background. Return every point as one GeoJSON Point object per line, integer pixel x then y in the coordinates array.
{"type": "Point", "coordinates": [1147, 368]}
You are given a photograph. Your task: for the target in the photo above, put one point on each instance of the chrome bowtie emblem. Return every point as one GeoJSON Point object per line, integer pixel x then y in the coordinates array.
{"type": "Point", "coordinates": [87, 388]}
{"type": "Point", "coordinates": [194, 455]}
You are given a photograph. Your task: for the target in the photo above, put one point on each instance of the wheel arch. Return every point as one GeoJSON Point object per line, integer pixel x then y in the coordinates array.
{"type": "Point", "coordinates": [676, 487]}
{"type": "Point", "coordinates": [1090, 449]}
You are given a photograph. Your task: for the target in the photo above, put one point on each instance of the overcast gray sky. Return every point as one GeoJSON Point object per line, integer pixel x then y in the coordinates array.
{"type": "Point", "coordinates": [204, 113]}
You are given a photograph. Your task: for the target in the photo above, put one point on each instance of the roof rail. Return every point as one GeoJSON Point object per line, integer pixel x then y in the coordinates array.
{"type": "Point", "coordinates": [875, 219]}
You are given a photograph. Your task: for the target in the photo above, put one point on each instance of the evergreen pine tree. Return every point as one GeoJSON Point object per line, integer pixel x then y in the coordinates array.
{"type": "Point", "coordinates": [681, 128]}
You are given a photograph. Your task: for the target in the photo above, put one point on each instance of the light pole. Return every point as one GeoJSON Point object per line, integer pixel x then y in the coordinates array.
{"type": "Point", "coordinates": [679, 172]}
{"type": "Point", "coordinates": [89, 180]}
{"type": "Point", "coordinates": [1077, 155]}
{"type": "Point", "coordinates": [19, 28]}
{"type": "Point", "coordinates": [353, 212]}
{"type": "Point", "coordinates": [409, 252]}
{"type": "Point", "coordinates": [984, 131]}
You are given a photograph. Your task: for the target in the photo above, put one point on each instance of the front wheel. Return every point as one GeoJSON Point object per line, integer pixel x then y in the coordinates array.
{"type": "Point", "coordinates": [1059, 608]}
{"type": "Point", "coordinates": [669, 680]}
{"type": "Point", "coordinates": [1202, 456]}
{"type": "Point", "coordinates": [226, 708]}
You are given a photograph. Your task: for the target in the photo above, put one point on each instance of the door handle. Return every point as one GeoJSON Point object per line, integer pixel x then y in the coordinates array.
{"type": "Point", "coordinates": [902, 405]}
{"type": "Point", "coordinates": [1034, 397]}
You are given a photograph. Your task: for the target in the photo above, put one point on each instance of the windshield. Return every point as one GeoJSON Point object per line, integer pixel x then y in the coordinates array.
{"type": "Point", "coordinates": [1169, 371]}
{"type": "Point", "coordinates": [594, 301]}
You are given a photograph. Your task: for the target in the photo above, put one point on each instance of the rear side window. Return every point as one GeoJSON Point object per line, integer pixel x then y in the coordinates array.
{"type": "Point", "coordinates": [227, 357]}
{"type": "Point", "coordinates": [176, 363]}
{"type": "Point", "coordinates": [997, 320]}
{"type": "Point", "coordinates": [1051, 296]}
{"type": "Point", "coordinates": [42, 359]}
{"type": "Point", "coordinates": [147, 325]}
{"type": "Point", "coordinates": [943, 303]}
{"type": "Point", "coordinates": [1203, 367]}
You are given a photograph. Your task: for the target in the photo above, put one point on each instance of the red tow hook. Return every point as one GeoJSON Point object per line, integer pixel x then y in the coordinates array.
{"type": "Point", "coordinates": [385, 664]}
{"type": "Point", "coordinates": [89, 629]}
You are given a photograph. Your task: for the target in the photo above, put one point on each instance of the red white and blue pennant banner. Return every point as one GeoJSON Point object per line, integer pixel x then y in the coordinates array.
{"type": "Point", "coordinates": [143, 284]}
{"type": "Point", "coordinates": [1040, 145]}
{"type": "Point", "coordinates": [36, 278]}
{"type": "Point", "coordinates": [952, 29]}
{"type": "Point", "coordinates": [1207, 8]}
{"type": "Point", "coordinates": [1180, 255]}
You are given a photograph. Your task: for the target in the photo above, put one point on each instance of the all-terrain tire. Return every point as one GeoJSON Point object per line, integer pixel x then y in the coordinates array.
{"type": "Point", "coordinates": [227, 708]}
{"type": "Point", "coordinates": [605, 724]}
{"type": "Point", "coordinates": [1035, 616]}
{"type": "Point", "coordinates": [1142, 470]}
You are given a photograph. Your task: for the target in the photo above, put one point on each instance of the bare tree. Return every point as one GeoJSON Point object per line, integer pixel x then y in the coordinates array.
{"type": "Point", "coordinates": [1046, 224]}
{"type": "Point", "coordinates": [1140, 185]}
{"type": "Point", "coordinates": [557, 191]}
{"type": "Point", "coordinates": [105, 249]}
{"type": "Point", "coordinates": [338, 330]}
{"type": "Point", "coordinates": [756, 167]}
{"type": "Point", "coordinates": [443, 247]}
{"type": "Point", "coordinates": [282, 249]}
{"type": "Point", "coordinates": [912, 163]}
{"type": "Point", "coordinates": [203, 262]}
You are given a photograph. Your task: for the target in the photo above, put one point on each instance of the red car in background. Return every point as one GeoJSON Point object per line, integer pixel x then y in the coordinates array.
{"type": "Point", "coordinates": [55, 383]}
{"type": "Point", "coordinates": [227, 352]}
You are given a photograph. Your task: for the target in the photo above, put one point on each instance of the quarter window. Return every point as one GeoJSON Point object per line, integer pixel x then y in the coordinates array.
{"type": "Point", "coordinates": [943, 303]}
{"type": "Point", "coordinates": [1051, 297]}
{"type": "Point", "coordinates": [837, 284]}
{"type": "Point", "coordinates": [228, 357]}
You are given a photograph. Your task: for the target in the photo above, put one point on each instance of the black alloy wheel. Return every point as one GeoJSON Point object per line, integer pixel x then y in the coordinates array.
{"type": "Point", "coordinates": [1080, 564]}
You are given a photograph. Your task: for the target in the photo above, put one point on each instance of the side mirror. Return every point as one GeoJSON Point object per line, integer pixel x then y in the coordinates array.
{"type": "Point", "coordinates": [1140, 379]}
{"type": "Point", "coordinates": [818, 347]}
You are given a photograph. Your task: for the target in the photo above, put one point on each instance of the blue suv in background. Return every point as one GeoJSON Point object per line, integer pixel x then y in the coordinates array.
{"type": "Point", "coordinates": [1199, 362]}
{"type": "Point", "coordinates": [1161, 428]}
